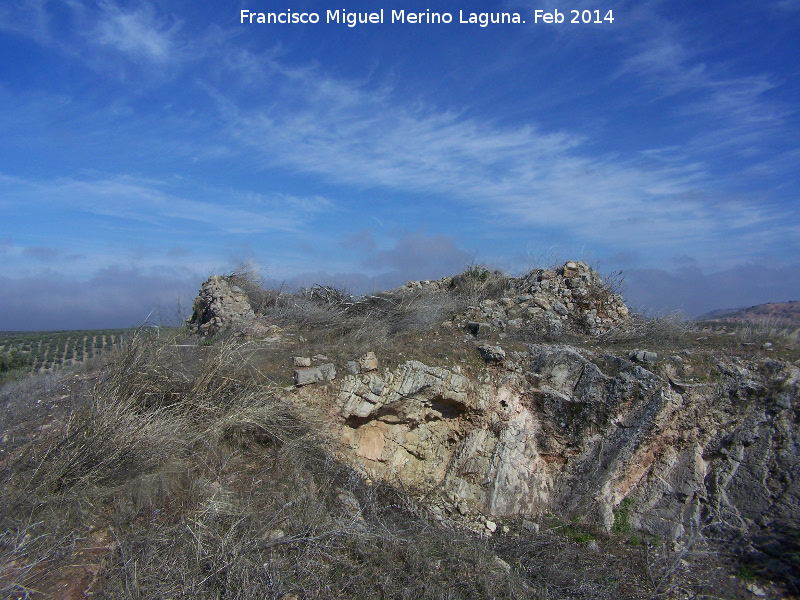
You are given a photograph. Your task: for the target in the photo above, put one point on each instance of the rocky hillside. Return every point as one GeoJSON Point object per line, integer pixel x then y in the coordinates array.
{"type": "Point", "coordinates": [683, 446]}
{"type": "Point", "coordinates": [500, 398]}
{"type": "Point", "coordinates": [781, 314]}
{"type": "Point", "coordinates": [479, 436]}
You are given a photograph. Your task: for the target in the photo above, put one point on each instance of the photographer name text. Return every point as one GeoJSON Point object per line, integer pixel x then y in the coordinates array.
{"type": "Point", "coordinates": [484, 19]}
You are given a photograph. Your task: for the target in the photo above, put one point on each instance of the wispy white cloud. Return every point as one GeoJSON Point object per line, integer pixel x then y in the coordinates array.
{"type": "Point", "coordinates": [139, 33]}
{"type": "Point", "coordinates": [351, 135]}
{"type": "Point", "coordinates": [730, 111]}
{"type": "Point", "coordinates": [152, 201]}
{"type": "Point", "coordinates": [666, 64]}
{"type": "Point", "coordinates": [83, 31]}
{"type": "Point", "coordinates": [27, 18]}
{"type": "Point", "coordinates": [366, 135]}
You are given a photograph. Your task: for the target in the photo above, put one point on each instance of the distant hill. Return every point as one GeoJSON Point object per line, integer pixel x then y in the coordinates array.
{"type": "Point", "coordinates": [776, 313]}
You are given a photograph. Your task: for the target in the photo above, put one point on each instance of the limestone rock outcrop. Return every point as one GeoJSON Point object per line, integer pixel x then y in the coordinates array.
{"type": "Point", "coordinates": [677, 446]}
{"type": "Point", "coordinates": [590, 435]}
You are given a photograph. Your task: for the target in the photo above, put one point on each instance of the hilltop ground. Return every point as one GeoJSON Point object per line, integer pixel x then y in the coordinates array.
{"type": "Point", "coordinates": [775, 314]}
{"type": "Point", "coordinates": [190, 465]}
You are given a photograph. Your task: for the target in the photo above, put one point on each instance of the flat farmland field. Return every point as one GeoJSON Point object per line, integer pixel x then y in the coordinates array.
{"type": "Point", "coordinates": [31, 352]}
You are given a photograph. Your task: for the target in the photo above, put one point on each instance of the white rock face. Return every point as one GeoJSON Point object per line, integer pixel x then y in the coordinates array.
{"type": "Point", "coordinates": [574, 434]}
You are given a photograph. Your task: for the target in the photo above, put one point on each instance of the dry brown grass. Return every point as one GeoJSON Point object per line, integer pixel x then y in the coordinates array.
{"type": "Point", "coordinates": [670, 328]}
{"type": "Point", "coordinates": [202, 481]}
{"type": "Point", "coordinates": [210, 485]}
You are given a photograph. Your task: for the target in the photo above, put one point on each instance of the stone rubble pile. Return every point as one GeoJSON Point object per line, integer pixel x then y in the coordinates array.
{"type": "Point", "coordinates": [222, 306]}
{"type": "Point", "coordinates": [573, 296]}
{"type": "Point", "coordinates": [217, 305]}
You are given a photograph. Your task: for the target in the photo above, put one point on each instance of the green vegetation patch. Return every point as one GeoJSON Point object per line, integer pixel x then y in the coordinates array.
{"type": "Point", "coordinates": [746, 573]}
{"type": "Point", "coordinates": [622, 523]}
{"type": "Point", "coordinates": [23, 353]}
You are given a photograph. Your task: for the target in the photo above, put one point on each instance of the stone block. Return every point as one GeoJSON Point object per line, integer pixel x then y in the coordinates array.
{"type": "Point", "coordinates": [478, 328]}
{"type": "Point", "coordinates": [368, 362]}
{"type": "Point", "coordinates": [491, 353]}
{"type": "Point", "coordinates": [307, 375]}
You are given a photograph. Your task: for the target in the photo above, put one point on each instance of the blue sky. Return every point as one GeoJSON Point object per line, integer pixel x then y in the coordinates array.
{"type": "Point", "coordinates": [147, 145]}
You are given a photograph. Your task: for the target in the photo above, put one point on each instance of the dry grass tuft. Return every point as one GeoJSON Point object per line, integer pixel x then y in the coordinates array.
{"type": "Point", "coordinates": [205, 483]}
{"type": "Point", "coordinates": [671, 327]}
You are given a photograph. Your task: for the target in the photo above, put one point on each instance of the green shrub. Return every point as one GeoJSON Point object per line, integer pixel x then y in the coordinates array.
{"type": "Point", "coordinates": [478, 273]}
{"type": "Point", "coordinates": [745, 573]}
{"type": "Point", "coordinates": [582, 537]}
{"type": "Point", "coordinates": [622, 523]}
